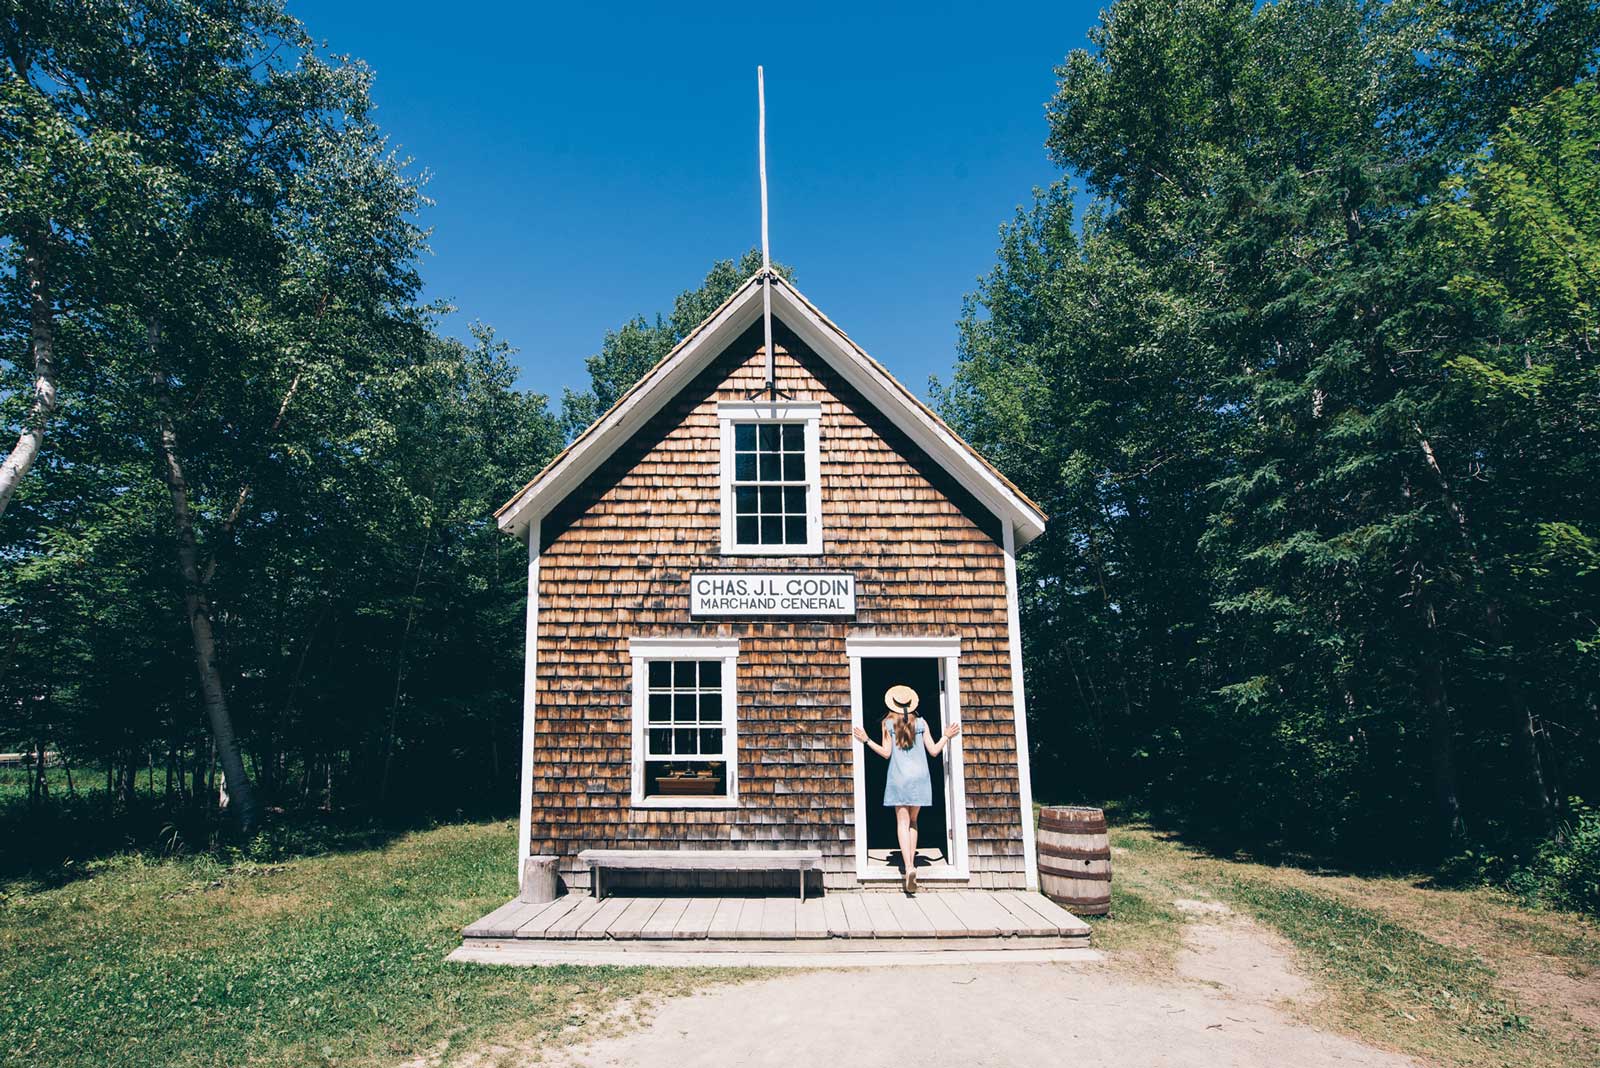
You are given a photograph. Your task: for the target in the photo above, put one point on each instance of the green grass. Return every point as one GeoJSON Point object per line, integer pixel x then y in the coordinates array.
{"type": "Point", "coordinates": [1396, 972]}
{"type": "Point", "coordinates": [15, 781]}
{"type": "Point", "coordinates": [1385, 953]}
{"type": "Point", "coordinates": [335, 959]}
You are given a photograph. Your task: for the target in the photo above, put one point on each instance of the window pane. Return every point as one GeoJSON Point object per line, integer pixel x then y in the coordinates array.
{"type": "Point", "coordinates": [744, 466]}
{"type": "Point", "coordinates": [794, 500]}
{"type": "Point", "coordinates": [767, 435]}
{"type": "Point", "coordinates": [746, 532]}
{"type": "Point", "coordinates": [771, 467]}
{"type": "Point", "coordinates": [683, 707]}
{"type": "Point", "coordinates": [711, 707]}
{"type": "Point", "coordinates": [744, 436]}
{"type": "Point", "coordinates": [711, 741]}
{"type": "Point", "coordinates": [771, 530]}
{"type": "Point", "coordinates": [660, 706]}
{"type": "Point", "coordinates": [711, 675]}
{"type": "Point", "coordinates": [771, 499]}
{"type": "Point", "coordinates": [660, 743]}
{"type": "Point", "coordinates": [683, 673]}
{"type": "Point", "coordinates": [660, 673]}
{"type": "Point", "coordinates": [794, 466]}
{"type": "Point", "coordinates": [744, 500]}
{"type": "Point", "coordinates": [684, 742]}
{"type": "Point", "coordinates": [794, 530]}
{"type": "Point", "coordinates": [794, 437]}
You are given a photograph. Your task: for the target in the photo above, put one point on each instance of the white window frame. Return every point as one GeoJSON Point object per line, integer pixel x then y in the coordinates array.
{"type": "Point", "coordinates": [644, 650]}
{"type": "Point", "coordinates": [807, 413]}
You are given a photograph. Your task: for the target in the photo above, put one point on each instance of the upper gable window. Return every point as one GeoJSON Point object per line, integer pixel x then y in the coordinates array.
{"type": "Point", "coordinates": [771, 484]}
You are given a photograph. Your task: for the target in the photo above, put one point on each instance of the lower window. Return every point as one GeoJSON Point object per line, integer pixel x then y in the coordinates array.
{"type": "Point", "coordinates": [684, 737]}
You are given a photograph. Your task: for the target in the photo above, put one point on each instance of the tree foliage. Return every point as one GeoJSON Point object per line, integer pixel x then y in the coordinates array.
{"type": "Point", "coordinates": [639, 344]}
{"type": "Point", "coordinates": [262, 508]}
{"type": "Point", "coordinates": [266, 493]}
{"type": "Point", "coordinates": [1310, 393]}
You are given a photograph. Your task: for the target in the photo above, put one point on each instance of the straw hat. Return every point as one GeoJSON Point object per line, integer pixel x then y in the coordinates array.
{"type": "Point", "coordinates": [901, 698]}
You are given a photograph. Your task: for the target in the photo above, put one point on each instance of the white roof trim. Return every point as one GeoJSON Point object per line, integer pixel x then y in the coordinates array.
{"type": "Point", "coordinates": [708, 341]}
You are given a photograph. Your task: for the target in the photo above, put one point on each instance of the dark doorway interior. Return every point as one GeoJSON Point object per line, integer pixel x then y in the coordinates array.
{"type": "Point", "coordinates": [878, 674]}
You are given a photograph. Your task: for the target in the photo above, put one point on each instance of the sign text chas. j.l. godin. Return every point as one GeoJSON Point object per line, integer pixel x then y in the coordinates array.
{"type": "Point", "coordinates": [772, 594]}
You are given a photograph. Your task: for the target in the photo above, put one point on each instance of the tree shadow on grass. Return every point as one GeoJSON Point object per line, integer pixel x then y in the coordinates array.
{"type": "Point", "coordinates": [1222, 841]}
{"type": "Point", "coordinates": [59, 841]}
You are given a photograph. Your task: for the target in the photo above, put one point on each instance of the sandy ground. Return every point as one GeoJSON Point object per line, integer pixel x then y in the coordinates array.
{"type": "Point", "coordinates": [1231, 1003]}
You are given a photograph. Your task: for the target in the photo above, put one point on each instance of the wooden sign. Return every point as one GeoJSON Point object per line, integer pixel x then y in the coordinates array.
{"type": "Point", "coordinates": [762, 593]}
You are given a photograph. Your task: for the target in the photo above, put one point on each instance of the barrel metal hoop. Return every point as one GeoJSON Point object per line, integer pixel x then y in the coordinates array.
{"type": "Point", "coordinates": [1060, 826]}
{"type": "Point", "coordinates": [1073, 853]}
{"type": "Point", "coordinates": [1090, 876]}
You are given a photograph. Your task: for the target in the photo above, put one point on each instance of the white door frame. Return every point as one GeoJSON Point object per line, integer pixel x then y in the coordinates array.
{"type": "Point", "coordinates": [947, 651]}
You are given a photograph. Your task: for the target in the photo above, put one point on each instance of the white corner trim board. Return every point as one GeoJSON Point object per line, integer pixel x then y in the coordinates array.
{"type": "Point", "coordinates": [1019, 712]}
{"type": "Point", "coordinates": [530, 689]}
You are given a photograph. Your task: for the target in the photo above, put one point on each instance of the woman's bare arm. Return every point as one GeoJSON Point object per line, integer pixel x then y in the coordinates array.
{"type": "Point", "coordinates": [863, 736]}
{"type": "Point", "coordinates": [935, 748]}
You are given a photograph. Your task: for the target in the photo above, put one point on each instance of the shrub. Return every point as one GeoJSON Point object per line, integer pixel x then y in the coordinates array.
{"type": "Point", "coordinates": [1568, 874]}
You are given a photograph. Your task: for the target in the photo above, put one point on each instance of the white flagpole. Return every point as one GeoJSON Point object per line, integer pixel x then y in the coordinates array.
{"type": "Point", "coordinates": [766, 259]}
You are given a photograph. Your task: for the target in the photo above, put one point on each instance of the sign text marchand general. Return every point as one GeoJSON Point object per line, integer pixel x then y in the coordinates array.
{"type": "Point", "coordinates": [772, 594]}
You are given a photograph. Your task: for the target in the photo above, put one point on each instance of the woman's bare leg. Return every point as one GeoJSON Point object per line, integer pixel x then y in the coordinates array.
{"type": "Point", "coordinates": [906, 818]}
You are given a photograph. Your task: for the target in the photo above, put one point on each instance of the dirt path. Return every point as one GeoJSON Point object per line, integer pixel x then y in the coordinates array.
{"type": "Point", "coordinates": [1229, 1004]}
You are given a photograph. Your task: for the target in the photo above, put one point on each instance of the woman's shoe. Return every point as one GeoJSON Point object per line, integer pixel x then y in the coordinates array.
{"type": "Point", "coordinates": [911, 883]}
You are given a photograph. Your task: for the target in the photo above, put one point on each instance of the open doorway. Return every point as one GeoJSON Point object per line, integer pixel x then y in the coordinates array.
{"type": "Point", "coordinates": [934, 839]}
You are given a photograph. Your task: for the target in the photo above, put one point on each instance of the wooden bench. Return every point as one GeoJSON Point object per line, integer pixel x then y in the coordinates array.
{"type": "Point", "coordinates": [799, 860]}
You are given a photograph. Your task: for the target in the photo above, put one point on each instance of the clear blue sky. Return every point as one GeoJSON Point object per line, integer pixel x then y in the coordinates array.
{"type": "Point", "coordinates": [591, 161]}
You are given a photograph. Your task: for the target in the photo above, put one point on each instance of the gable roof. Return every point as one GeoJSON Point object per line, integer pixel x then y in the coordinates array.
{"type": "Point", "coordinates": [708, 341]}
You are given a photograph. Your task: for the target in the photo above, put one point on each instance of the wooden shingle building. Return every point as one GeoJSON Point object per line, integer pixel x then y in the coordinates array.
{"type": "Point", "coordinates": [723, 578]}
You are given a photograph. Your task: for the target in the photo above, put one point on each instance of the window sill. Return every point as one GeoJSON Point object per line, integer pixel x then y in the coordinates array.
{"type": "Point", "coordinates": [685, 802]}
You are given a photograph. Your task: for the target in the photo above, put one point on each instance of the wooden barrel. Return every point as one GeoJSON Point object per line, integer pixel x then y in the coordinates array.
{"type": "Point", "coordinates": [1075, 859]}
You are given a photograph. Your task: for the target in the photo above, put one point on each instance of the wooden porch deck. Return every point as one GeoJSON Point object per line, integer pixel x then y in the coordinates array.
{"type": "Point", "coordinates": [766, 929]}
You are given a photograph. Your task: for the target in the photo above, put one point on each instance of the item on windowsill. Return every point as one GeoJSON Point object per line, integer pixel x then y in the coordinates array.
{"type": "Point", "coordinates": [690, 783]}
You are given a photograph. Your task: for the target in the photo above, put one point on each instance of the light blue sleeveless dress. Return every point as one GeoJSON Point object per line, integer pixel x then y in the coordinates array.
{"type": "Point", "coordinates": [908, 782]}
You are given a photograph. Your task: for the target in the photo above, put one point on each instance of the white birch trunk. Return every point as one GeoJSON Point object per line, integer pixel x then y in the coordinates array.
{"type": "Point", "coordinates": [41, 326]}
{"type": "Point", "coordinates": [235, 788]}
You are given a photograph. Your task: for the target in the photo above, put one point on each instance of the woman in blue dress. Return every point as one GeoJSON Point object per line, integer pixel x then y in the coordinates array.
{"type": "Point", "coordinates": [906, 746]}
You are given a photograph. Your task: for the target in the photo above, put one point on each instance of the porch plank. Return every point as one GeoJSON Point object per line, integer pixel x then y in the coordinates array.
{"type": "Point", "coordinates": [879, 918]}
{"type": "Point", "coordinates": [558, 908]}
{"type": "Point", "coordinates": [1070, 926]}
{"type": "Point", "coordinates": [751, 914]}
{"type": "Point", "coordinates": [833, 912]}
{"type": "Point", "coordinates": [567, 926]}
{"type": "Point", "coordinates": [725, 920]}
{"type": "Point", "coordinates": [980, 923]}
{"type": "Point", "coordinates": [634, 917]}
{"type": "Point", "coordinates": [478, 928]}
{"type": "Point", "coordinates": [696, 919]}
{"type": "Point", "coordinates": [778, 917]}
{"type": "Point", "coordinates": [1023, 899]}
{"type": "Point", "coordinates": [857, 923]}
{"type": "Point", "coordinates": [810, 918]}
{"type": "Point", "coordinates": [946, 924]}
{"type": "Point", "coordinates": [909, 915]}
{"type": "Point", "coordinates": [981, 907]}
{"type": "Point", "coordinates": [665, 918]}
{"type": "Point", "coordinates": [506, 926]}
{"type": "Point", "coordinates": [1032, 925]}
{"type": "Point", "coordinates": [610, 910]}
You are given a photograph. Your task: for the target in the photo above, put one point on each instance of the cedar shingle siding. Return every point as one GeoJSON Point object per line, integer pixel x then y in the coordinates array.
{"type": "Point", "coordinates": [615, 561]}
